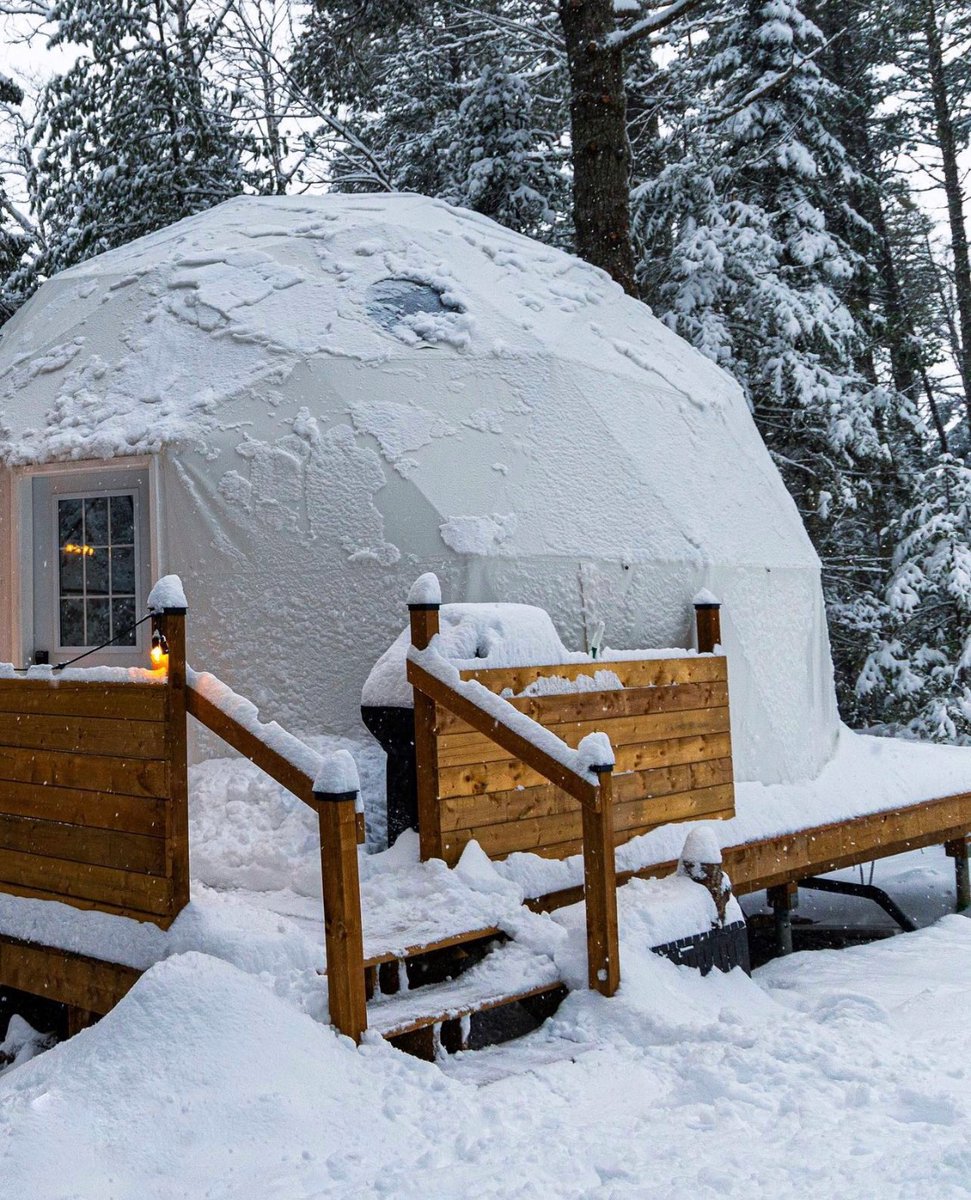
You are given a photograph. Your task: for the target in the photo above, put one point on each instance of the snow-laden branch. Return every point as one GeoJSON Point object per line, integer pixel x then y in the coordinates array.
{"type": "Point", "coordinates": [651, 23]}
{"type": "Point", "coordinates": [773, 82]}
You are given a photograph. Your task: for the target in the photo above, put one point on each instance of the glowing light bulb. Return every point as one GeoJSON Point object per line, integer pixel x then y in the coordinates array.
{"type": "Point", "coordinates": [159, 653]}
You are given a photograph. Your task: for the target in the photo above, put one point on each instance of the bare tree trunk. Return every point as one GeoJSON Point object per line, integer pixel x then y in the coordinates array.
{"type": "Point", "coordinates": [948, 146]}
{"type": "Point", "coordinates": [601, 153]}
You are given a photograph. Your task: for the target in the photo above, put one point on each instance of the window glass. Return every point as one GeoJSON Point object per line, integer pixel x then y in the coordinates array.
{"type": "Point", "coordinates": [96, 573]}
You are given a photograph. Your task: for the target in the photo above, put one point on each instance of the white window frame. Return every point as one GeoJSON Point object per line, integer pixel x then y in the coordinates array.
{"type": "Point", "coordinates": [21, 638]}
{"type": "Point", "coordinates": [114, 651]}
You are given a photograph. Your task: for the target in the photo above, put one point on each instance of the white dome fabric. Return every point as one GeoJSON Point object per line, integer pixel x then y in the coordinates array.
{"type": "Point", "coordinates": [347, 391]}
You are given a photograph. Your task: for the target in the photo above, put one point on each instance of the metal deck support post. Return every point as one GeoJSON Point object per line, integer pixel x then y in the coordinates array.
{"type": "Point", "coordinates": [783, 899]}
{"type": "Point", "coordinates": [958, 850]}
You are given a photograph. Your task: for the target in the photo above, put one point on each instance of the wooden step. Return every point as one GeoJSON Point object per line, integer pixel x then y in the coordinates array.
{"type": "Point", "coordinates": [376, 957]}
{"type": "Point", "coordinates": [508, 974]}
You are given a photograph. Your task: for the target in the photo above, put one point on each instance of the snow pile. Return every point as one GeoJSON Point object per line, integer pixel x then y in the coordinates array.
{"type": "Point", "coordinates": [246, 714]}
{"type": "Point", "coordinates": [832, 1074]}
{"type": "Point", "coordinates": [337, 775]}
{"type": "Point", "coordinates": [168, 592]}
{"type": "Point", "coordinates": [425, 590]}
{"type": "Point", "coordinates": [472, 636]}
{"type": "Point", "coordinates": [246, 831]}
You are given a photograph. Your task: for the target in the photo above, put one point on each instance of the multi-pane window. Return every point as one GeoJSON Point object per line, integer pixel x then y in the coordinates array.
{"type": "Point", "coordinates": [96, 571]}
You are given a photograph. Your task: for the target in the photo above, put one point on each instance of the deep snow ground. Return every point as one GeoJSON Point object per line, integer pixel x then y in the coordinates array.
{"type": "Point", "coordinates": [832, 1074]}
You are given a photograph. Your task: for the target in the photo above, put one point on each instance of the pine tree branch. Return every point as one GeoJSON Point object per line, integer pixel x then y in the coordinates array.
{"type": "Point", "coordinates": [622, 38]}
{"type": "Point", "coordinates": [772, 84]}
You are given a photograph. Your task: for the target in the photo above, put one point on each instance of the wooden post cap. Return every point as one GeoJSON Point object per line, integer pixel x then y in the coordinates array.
{"type": "Point", "coordinates": [334, 797]}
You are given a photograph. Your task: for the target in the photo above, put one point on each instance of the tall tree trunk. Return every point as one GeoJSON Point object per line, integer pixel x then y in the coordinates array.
{"type": "Point", "coordinates": [948, 145]}
{"type": "Point", "coordinates": [601, 153]}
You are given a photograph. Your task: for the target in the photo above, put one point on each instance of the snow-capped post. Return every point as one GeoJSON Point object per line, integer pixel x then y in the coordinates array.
{"type": "Point", "coordinates": [335, 793]}
{"type": "Point", "coordinates": [168, 606]}
{"type": "Point", "coordinates": [424, 601]}
{"type": "Point", "coordinates": [599, 868]}
{"type": "Point", "coordinates": [708, 621]}
{"type": "Point", "coordinates": [701, 860]}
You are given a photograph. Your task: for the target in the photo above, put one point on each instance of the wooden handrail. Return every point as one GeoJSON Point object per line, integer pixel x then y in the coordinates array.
{"type": "Point", "coordinates": [249, 745]}
{"type": "Point", "coordinates": [599, 864]}
{"type": "Point", "coordinates": [341, 830]}
{"type": "Point", "coordinates": [466, 709]}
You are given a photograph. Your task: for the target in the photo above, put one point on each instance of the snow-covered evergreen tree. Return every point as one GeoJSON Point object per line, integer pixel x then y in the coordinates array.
{"type": "Point", "coordinates": [756, 274]}
{"type": "Point", "coordinates": [468, 104]}
{"type": "Point", "coordinates": [14, 241]}
{"type": "Point", "coordinates": [917, 678]}
{"type": "Point", "coordinates": [132, 136]}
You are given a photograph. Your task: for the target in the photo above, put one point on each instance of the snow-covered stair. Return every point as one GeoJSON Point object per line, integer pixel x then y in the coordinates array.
{"type": "Point", "coordinates": [509, 973]}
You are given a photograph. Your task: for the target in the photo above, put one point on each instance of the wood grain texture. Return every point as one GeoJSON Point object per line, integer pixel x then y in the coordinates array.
{"type": "Point", "coordinates": [116, 737]}
{"type": "Point", "coordinates": [74, 979]}
{"type": "Point", "coordinates": [818, 849]}
{"type": "Point", "coordinates": [343, 925]}
{"type": "Point", "coordinates": [97, 773]}
{"type": "Point", "coordinates": [597, 706]}
{"type": "Point", "coordinates": [59, 698]}
{"type": "Point", "coordinates": [643, 672]}
{"type": "Point", "coordinates": [670, 728]}
{"type": "Point", "coordinates": [79, 843]}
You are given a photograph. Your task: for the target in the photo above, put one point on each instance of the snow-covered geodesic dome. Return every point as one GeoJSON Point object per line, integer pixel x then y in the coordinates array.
{"type": "Point", "coordinates": [343, 392]}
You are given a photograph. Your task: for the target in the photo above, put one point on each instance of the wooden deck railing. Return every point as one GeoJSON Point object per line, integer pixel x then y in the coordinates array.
{"type": "Point", "coordinates": [596, 799]}
{"type": "Point", "coordinates": [339, 838]}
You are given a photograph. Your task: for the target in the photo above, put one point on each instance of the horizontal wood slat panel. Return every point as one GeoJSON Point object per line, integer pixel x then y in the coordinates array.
{"type": "Point", "coordinates": [476, 779]}
{"type": "Point", "coordinates": [646, 672]}
{"type": "Point", "coordinates": [84, 735]}
{"type": "Point", "coordinates": [80, 844]}
{"type": "Point", "coordinates": [59, 975]}
{"type": "Point", "coordinates": [102, 810]}
{"type": "Point", "coordinates": [122, 701]}
{"type": "Point", "coordinates": [630, 819]}
{"type": "Point", "coordinates": [469, 812]}
{"type": "Point", "coordinates": [458, 749]}
{"type": "Point", "coordinates": [598, 706]}
{"type": "Point", "coordinates": [124, 889]}
{"type": "Point", "coordinates": [129, 777]}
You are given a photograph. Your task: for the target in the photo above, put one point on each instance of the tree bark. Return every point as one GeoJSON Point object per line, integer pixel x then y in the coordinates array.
{"type": "Point", "coordinates": [948, 146]}
{"type": "Point", "coordinates": [601, 152]}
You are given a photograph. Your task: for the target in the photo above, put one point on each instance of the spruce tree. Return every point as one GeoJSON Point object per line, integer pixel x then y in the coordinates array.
{"type": "Point", "coordinates": [132, 136]}
{"type": "Point", "coordinates": [463, 104]}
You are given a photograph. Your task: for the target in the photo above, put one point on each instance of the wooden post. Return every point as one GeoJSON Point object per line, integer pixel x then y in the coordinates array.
{"type": "Point", "coordinates": [708, 622]}
{"type": "Point", "coordinates": [171, 624]}
{"type": "Point", "coordinates": [343, 927]}
{"type": "Point", "coordinates": [958, 850]}
{"type": "Point", "coordinates": [600, 889]}
{"type": "Point", "coordinates": [783, 898]}
{"type": "Point", "coordinates": [424, 626]}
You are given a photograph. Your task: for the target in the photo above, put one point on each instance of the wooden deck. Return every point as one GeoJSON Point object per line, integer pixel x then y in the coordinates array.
{"type": "Point", "coordinates": [93, 808]}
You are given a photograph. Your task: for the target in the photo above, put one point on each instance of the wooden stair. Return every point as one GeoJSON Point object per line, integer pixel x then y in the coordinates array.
{"type": "Point", "coordinates": [434, 996]}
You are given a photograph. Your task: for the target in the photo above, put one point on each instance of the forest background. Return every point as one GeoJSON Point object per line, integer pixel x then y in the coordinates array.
{"type": "Point", "coordinates": [782, 181]}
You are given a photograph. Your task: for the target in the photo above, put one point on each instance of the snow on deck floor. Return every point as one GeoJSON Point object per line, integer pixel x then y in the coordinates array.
{"type": "Point", "coordinates": [865, 775]}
